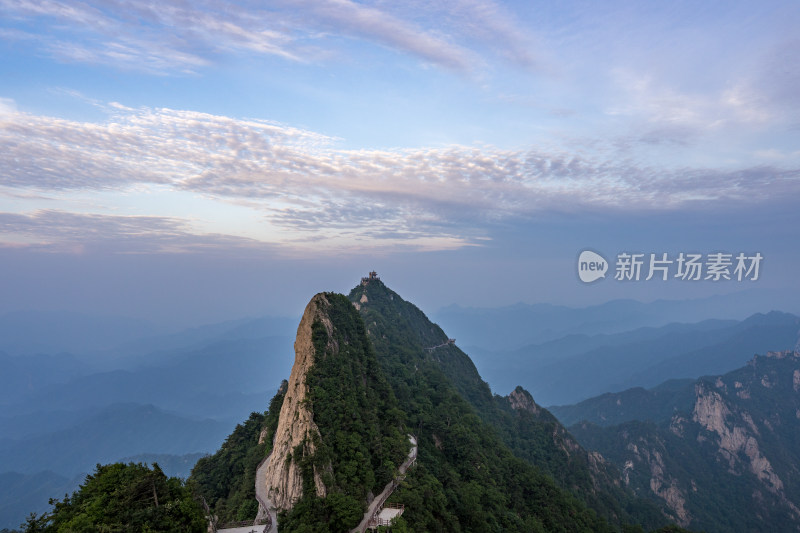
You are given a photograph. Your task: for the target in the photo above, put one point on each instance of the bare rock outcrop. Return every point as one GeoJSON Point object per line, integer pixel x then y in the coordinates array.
{"type": "Point", "coordinates": [521, 400]}
{"type": "Point", "coordinates": [712, 412]}
{"type": "Point", "coordinates": [296, 428]}
{"type": "Point", "coordinates": [667, 488]}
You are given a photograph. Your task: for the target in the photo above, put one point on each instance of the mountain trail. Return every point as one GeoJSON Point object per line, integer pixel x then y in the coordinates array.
{"type": "Point", "coordinates": [380, 499]}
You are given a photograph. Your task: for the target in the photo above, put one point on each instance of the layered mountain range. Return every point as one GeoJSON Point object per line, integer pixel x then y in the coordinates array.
{"type": "Point", "coordinates": [371, 369]}
{"type": "Point", "coordinates": [381, 407]}
{"type": "Point", "coordinates": [721, 452]}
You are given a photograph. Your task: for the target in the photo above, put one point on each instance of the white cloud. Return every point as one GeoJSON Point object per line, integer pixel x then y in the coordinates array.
{"type": "Point", "coordinates": [349, 18]}
{"type": "Point", "coordinates": [7, 106]}
{"type": "Point", "coordinates": [650, 114]}
{"type": "Point", "coordinates": [62, 231]}
{"type": "Point", "coordinates": [488, 24]}
{"type": "Point", "coordinates": [643, 97]}
{"type": "Point", "coordinates": [163, 37]}
{"type": "Point", "coordinates": [308, 190]}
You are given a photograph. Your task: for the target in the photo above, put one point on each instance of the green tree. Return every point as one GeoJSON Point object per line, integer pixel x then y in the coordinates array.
{"type": "Point", "coordinates": [227, 479]}
{"type": "Point", "coordinates": [124, 498]}
{"type": "Point", "coordinates": [362, 431]}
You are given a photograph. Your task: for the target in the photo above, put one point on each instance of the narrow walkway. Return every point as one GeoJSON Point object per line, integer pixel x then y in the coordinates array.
{"type": "Point", "coordinates": [381, 498]}
{"type": "Point", "coordinates": [265, 508]}
{"type": "Point", "coordinates": [448, 343]}
{"type": "Point", "coordinates": [243, 529]}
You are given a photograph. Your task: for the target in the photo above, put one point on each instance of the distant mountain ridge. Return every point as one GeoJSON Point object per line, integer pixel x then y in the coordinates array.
{"type": "Point", "coordinates": [107, 436]}
{"type": "Point", "coordinates": [724, 457]}
{"type": "Point", "coordinates": [657, 404]}
{"type": "Point", "coordinates": [30, 332]}
{"type": "Point", "coordinates": [215, 378]}
{"type": "Point", "coordinates": [577, 367]}
{"type": "Point", "coordinates": [200, 381]}
{"type": "Point", "coordinates": [197, 385]}
{"type": "Point", "coordinates": [22, 494]}
{"type": "Point", "coordinates": [512, 327]}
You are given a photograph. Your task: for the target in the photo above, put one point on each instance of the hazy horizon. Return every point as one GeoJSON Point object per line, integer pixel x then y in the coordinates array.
{"type": "Point", "coordinates": [751, 301]}
{"type": "Point", "coordinates": [178, 179]}
{"type": "Point", "coordinates": [191, 163]}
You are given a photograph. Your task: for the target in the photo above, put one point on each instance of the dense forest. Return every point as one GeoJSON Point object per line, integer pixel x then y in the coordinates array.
{"type": "Point", "coordinates": [227, 479]}
{"type": "Point", "coordinates": [729, 459]}
{"type": "Point", "coordinates": [381, 372]}
{"type": "Point", "coordinates": [125, 498]}
{"type": "Point", "coordinates": [362, 432]}
{"type": "Point", "coordinates": [463, 425]}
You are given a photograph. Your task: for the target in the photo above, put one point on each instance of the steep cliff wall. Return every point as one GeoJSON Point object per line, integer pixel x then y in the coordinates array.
{"type": "Point", "coordinates": [296, 428]}
{"type": "Point", "coordinates": [340, 435]}
{"type": "Point", "coordinates": [727, 464]}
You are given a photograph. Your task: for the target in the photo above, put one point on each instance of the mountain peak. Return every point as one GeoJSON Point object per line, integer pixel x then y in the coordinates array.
{"type": "Point", "coordinates": [296, 428]}
{"type": "Point", "coordinates": [372, 276]}
{"type": "Point", "coordinates": [339, 434]}
{"type": "Point", "coordinates": [378, 304]}
{"type": "Point", "coordinates": [371, 284]}
{"type": "Point", "coordinates": [521, 400]}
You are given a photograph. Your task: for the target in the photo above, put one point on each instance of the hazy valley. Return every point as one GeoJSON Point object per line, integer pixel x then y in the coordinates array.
{"type": "Point", "coordinates": [172, 397]}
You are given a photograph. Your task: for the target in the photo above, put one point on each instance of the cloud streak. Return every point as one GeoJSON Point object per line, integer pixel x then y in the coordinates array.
{"type": "Point", "coordinates": [164, 37]}
{"type": "Point", "coordinates": [60, 231]}
{"type": "Point", "coordinates": [302, 185]}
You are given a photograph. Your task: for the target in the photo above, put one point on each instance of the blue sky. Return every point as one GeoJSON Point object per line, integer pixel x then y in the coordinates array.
{"type": "Point", "coordinates": [216, 159]}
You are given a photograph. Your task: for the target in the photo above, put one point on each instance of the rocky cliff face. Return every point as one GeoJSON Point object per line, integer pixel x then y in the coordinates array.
{"type": "Point", "coordinates": [737, 434]}
{"type": "Point", "coordinates": [727, 464]}
{"type": "Point", "coordinates": [645, 468]}
{"type": "Point", "coordinates": [296, 431]}
{"type": "Point", "coordinates": [522, 399]}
